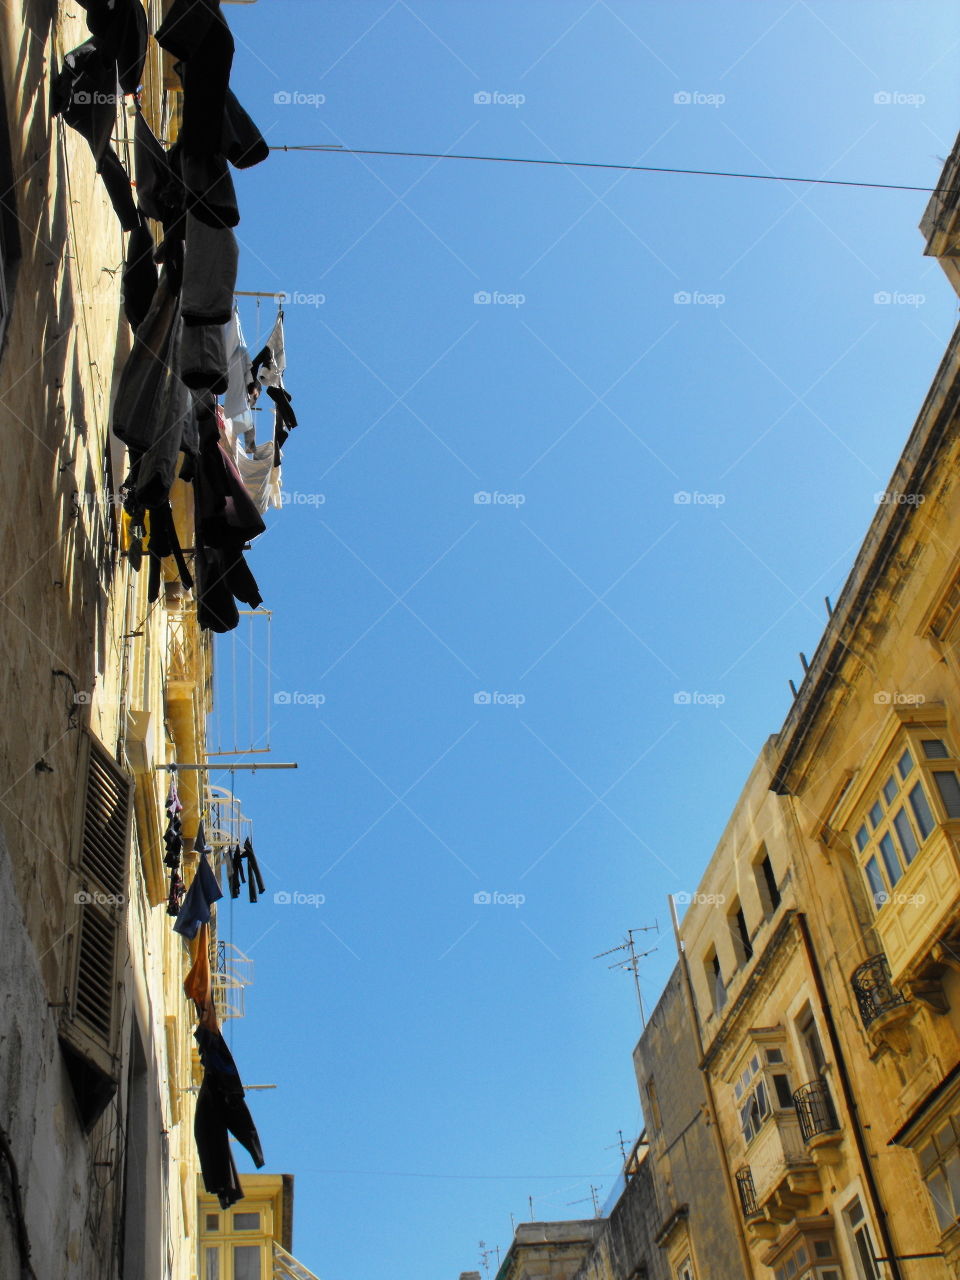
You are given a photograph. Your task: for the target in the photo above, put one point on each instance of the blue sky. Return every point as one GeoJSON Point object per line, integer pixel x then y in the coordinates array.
{"type": "Point", "coordinates": [439, 1061]}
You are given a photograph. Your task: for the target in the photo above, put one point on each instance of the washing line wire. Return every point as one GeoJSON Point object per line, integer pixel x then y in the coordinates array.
{"type": "Point", "coordinates": [596, 164]}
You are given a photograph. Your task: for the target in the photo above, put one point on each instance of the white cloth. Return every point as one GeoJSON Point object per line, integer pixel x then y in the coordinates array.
{"type": "Point", "coordinates": [260, 477]}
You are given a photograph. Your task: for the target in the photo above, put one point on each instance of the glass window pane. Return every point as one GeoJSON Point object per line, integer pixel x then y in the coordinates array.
{"type": "Point", "coordinates": [875, 815]}
{"type": "Point", "coordinates": [862, 838]}
{"type": "Point", "coordinates": [949, 789]}
{"type": "Point", "coordinates": [940, 1195]}
{"type": "Point", "coordinates": [921, 810]}
{"type": "Point", "coordinates": [784, 1096]}
{"type": "Point", "coordinates": [890, 860]}
{"type": "Point", "coordinates": [952, 1170]}
{"type": "Point", "coordinates": [212, 1267]}
{"type": "Point", "coordinates": [905, 764]}
{"type": "Point", "coordinates": [877, 888]}
{"type": "Point", "coordinates": [890, 789]}
{"type": "Point", "coordinates": [213, 1222]}
{"type": "Point", "coordinates": [908, 841]}
{"type": "Point", "coordinates": [246, 1262]}
{"type": "Point", "coordinates": [823, 1248]}
{"type": "Point", "coordinates": [774, 1055]}
{"type": "Point", "coordinates": [935, 749]}
{"type": "Point", "coordinates": [927, 1155]}
{"type": "Point", "coordinates": [246, 1222]}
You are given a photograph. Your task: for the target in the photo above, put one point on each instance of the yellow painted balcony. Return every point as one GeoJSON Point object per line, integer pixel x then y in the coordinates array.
{"type": "Point", "coordinates": [924, 906]}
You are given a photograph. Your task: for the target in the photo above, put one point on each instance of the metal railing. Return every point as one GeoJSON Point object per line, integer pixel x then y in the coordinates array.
{"type": "Point", "coordinates": [874, 990]}
{"type": "Point", "coordinates": [286, 1267]}
{"type": "Point", "coordinates": [747, 1193]}
{"type": "Point", "coordinates": [815, 1110]}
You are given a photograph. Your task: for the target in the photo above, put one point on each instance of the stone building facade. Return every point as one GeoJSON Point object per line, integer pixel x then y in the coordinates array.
{"type": "Point", "coordinates": [100, 691]}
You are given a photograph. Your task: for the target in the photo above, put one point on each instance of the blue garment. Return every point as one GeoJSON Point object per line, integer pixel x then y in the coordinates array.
{"type": "Point", "coordinates": [202, 894]}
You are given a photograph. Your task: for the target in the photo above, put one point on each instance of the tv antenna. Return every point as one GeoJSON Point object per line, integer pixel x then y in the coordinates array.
{"type": "Point", "coordinates": [486, 1251]}
{"type": "Point", "coordinates": [631, 962]}
{"type": "Point", "coordinates": [592, 1198]}
{"type": "Point", "coordinates": [621, 1143]}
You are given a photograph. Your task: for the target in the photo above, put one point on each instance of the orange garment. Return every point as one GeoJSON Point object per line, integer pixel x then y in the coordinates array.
{"type": "Point", "coordinates": [198, 983]}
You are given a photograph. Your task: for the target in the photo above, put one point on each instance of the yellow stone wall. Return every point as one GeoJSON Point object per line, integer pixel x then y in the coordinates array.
{"type": "Point", "coordinates": [135, 676]}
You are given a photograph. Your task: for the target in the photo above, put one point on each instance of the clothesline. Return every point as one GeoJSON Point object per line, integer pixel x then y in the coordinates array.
{"type": "Point", "coordinates": [336, 149]}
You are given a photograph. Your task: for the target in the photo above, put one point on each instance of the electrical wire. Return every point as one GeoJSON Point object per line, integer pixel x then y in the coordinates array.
{"type": "Point", "coordinates": [620, 168]}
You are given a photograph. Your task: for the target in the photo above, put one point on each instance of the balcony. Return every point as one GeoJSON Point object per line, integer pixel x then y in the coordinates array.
{"type": "Point", "coordinates": [819, 1126]}
{"type": "Point", "coordinates": [747, 1193]}
{"type": "Point", "coordinates": [783, 1173]}
{"type": "Point", "coordinates": [884, 1010]}
{"type": "Point", "coordinates": [923, 910]}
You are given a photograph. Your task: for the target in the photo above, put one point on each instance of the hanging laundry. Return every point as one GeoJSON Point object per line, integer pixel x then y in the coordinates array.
{"type": "Point", "coordinates": [256, 464]}
{"type": "Point", "coordinates": [221, 1109]}
{"type": "Point", "coordinates": [139, 281]}
{"type": "Point", "coordinates": [177, 890]}
{"type": "Point", "coordinates": [255, 879]}
{"type": "Point", "coordinates": [84, 93]}
{"type": "Point", "coordinates": [204, 891]}
{"type": "Point", "coordinates": [237, 877]}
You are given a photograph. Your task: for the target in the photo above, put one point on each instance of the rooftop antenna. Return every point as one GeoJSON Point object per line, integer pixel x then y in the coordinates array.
{"type": "Point", "coordinates": [530, 1203]}
{"type": "Point", "coordinates": [619, 1143]}
{"type": "Point", "coordinates": [592, 1197]}
{"type": "Point", "coordinates": [485, 1253]}
{"type": "Point", "coordinates": [631, 961]}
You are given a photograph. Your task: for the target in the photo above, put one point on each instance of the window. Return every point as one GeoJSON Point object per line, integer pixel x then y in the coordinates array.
{"type": "Point", "coordinates": [715, 984]}
{"type": "Point", "coordinates": [861, 1241]}
{"type": "Point", "coordinates": [760, 1090]}
{"type": "Point", "coordinates": [766, 883]}
{"type": "Point", "coordinates": [213, 1222]}
{"type": "Point", "coordinates": [803, 1261]}
{"type": "Point", "coordinates": [246, 1222]}
{"type": "Point", "coordinates": [211, 1270]}
{"type": "Point", "coordinates": [89, 1033]}
{"type": "Point", "coordinates": [685, 1270]}
{"type": "Point", "coordinates": [653, 1119]}
{"type": "Point", "coordinates": [913, 794]}
{"type": "Point", "coordinates": [738, 931]}
{"type": "Point", "coordinates": [940, 1169]}
{"type": "Point", "coordinates": [246, 1262]}
{"type": "Point", "coordinates": [810, 1039]}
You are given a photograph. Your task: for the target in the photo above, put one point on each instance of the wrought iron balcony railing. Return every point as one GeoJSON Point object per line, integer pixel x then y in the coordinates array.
{"type": "Point", "coordinates": [874, 991]}
{"type": "Point", "coordinates": [815, 1110]}
{"type": "Point", "coordinates": [748, 1193]}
